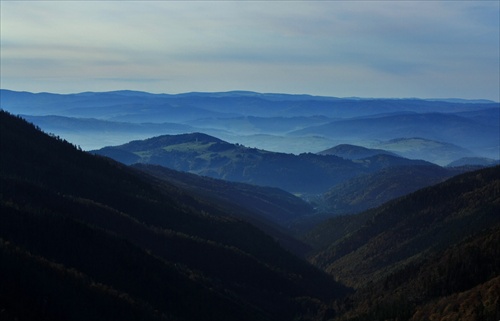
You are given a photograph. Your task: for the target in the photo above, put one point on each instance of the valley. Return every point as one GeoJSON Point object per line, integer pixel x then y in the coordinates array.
{"type": "Point", "coordinates": [222, 208]}
{"type": "Point", "coordinates": [250, 160]}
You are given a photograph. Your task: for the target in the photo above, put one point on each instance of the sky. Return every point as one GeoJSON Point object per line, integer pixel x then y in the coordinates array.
{"type": "Point", "coordinates": [399, 49]}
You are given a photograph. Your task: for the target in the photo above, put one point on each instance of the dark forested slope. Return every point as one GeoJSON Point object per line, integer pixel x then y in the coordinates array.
{"type": "Point", "coordinates": [371, 190]}
{"type": "Point", "coordinates": [270, 209]}
{"type": "Point", "coordinates": [83, 237]}
{"type": "Point", "coordinates": [431, 218]}
{"type": "Point", "coordinates": [420, 254]}
{"type": "Point", "coordinates": [270, 203]}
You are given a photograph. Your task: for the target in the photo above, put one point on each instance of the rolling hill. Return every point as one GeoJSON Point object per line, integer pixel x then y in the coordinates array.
{"type": "Point", "coordinates": [84, 237]}
{"type": "Point", "coordinates": [209, 156]}
{"type": "Point", "coordinates": [440, 153]}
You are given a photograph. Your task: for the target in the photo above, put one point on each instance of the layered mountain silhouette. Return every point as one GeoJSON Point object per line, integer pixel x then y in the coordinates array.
{"type": "Point", "coordinates": [209, 156]}
{"type": "Point", "coordinates": [274, 122]}
{"type": "Point", "coordinates": [438, 152]}
{"type": "Point", "coordinates": [123, 104]}
{"type": "Point", "coordinates": [472, 134]}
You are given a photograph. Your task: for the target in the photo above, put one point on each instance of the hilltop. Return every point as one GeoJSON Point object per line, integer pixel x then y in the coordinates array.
{"type": "Point", "coordinates": [205, 155]}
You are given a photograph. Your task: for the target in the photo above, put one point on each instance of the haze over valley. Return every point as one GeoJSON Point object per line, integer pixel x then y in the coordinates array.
{"type": "Point", "coordinates": [437, 131]}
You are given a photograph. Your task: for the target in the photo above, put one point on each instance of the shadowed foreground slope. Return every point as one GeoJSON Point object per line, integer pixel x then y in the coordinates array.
{"type": "Point", "coordinates": [433, 252]}
{"type": "Point", "coordinates": [86, 238]}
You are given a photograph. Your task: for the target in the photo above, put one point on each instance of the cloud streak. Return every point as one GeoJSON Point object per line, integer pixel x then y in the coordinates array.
{"type": "Point", "coordinates": [339, 48]}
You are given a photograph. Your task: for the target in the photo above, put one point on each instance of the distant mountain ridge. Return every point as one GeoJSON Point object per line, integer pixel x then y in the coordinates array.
{"type": "Point", "coordinates": [471, 161]}
{"type": "Point", "coordinates": [438, 152]}
{"type": "Point", "coordinates": [277, 122]}
{"type": "Point", "coordinates": [442, 127]}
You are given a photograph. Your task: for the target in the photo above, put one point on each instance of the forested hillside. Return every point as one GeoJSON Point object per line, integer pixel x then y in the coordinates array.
{"type": "Point", "coordinates": [270, 209]}
{"type": "Point", "coordinates": [206, 155]}
{"type": "Point", "coordinates": [432, 252]}
{"type": "Point", "coordinates": [86, 238]}
{"type": "Point", "coordinates": [371, 190]}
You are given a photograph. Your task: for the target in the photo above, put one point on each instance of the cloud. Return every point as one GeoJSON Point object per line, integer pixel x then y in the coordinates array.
{"type": "Point", "coordinates": [343, 48]}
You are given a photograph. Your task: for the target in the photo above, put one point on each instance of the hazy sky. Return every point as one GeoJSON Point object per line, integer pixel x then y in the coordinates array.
{"type": "Point", "coordinates": [426, 49]}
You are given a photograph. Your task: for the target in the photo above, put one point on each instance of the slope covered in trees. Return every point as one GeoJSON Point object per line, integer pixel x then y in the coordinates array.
{"type": "Point", "coordinates": [432, 252]}
{"type": "Point", "coordinates": [371, 190]}
{"type": "Point", "coordinates": [270, 209]}
{"type": "Point", "coordinates": [459, 283]}
{"type": "Point", "coordinates": [83, 237]}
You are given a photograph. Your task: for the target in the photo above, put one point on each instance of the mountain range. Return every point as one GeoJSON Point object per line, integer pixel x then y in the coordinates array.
{"type": "Point", "coordinates": [473, 135]}
{"type": "Point", "coordinates": [275, 122]}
